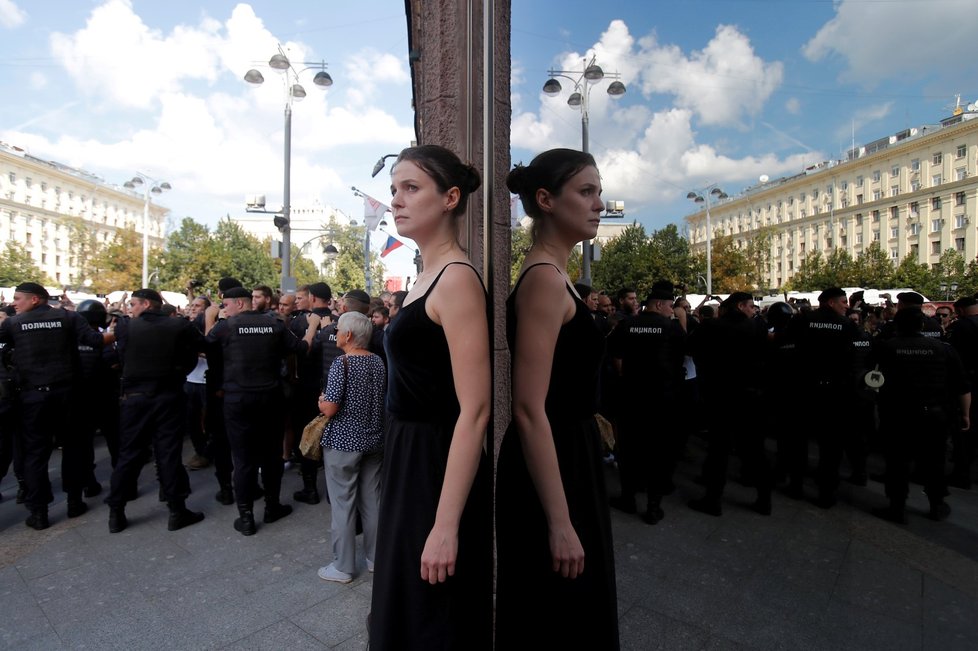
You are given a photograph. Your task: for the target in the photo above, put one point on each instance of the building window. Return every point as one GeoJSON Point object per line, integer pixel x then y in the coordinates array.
{"type": "Point", "coordinates": [894, 254]}
{"type": "Point", "coordinates": [959, 244]}
{"type": "Point", "coordinates": [876, 236]}
{"type": "Point", "coordinates": [876, 216]}
{"type": "Point", "coordinates": [894, 212]}
{"type": "Point", "coordinates": [843, 240]}
{"type": "Point", "coordinates": [895, 232]}
{"type": "Point", "coordinates": [935, 203]}
{"type": "Point", "coordinates": [894, 190]}
{"type": "Point", "coordinates": [895, 171]}
{"type": "Point", "coordinates": [803, 213]}
{"type": "Point", "coordinates": [935, 225]}
{"type": "Point", "coordinates": [915, 229]}
{"type": "Point", "coordinates": [915, 165]}
{"type": "Point", "coordinates": [859, 219]}
{"type": "Point", "coordinates": [961, 152]}
{"type": "Point", "coordinates": [859, 238]}
{"type": "Point", "coordinates": [935, 248]}
{"type": "Point", "coordinates": [845, 185]}
{"type": "Point", "coordinates": [937, 158]}
{"type": "Point", "coordinates": [802, 249]}
{"type": "Point", "coordinates": [815, 193]}
{"type": "Point", "coordinates": [859, 199]}
{"type": "Point", "coordinates": [44, 186]}
{"type": "Point", "coordinates": [960, 221]}
{"type": "Point", "coordinates": [876, 176]}
{"type": "Point", "coordinates": [935, 180]}
{"type": "Point", "coordinates": [914, 208]}
{"type": "Point", "coordinates": [959, 198]}
{"type": "Point", "coordinates": [877, 195]}
{"type": "Point", "coordinates": [27, 181]}
{"type": "Point", "coordinates": [914, 185]}
{"type": "Point", "coordinates": [960, 174]}
{"type": "Point", "coordinates": [859, 180]}
{"type": "Point", "coordinates": [915, 250]}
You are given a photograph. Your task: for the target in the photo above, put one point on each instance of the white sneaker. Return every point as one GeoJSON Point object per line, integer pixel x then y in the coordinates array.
{"type": "Point", "coordinates": [370, 566]}
{"type": "Point", "coordinates": [330, 573]}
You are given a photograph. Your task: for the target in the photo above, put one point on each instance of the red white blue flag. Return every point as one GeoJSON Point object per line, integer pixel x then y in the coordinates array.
{"type": "Point", "coordinates": [392, 243]}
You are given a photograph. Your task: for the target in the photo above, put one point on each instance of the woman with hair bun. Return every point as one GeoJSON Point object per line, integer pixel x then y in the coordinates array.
{"type": "Point", "coordinates": [433, 583]}
{"type": "Point", "coordinates": [556, 573]}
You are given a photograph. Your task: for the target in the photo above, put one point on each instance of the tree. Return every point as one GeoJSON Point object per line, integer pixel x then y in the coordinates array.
{"type": "Point", "coordinates": [730, 265]}
{"type": "Point", "coordinates": [969, 284]}
{"type": "Point", "coordinates": [950, 271]}
{"type": "Point", "coordinates": [873, 268]}
{"type": "Point", "coordinates": [758, 255]}
{"type": "Point", "coordinates": [119, 264]}
{"type": "Point", "coordinates": [346, 271]}
{"type": "Point", "coordinates": [671, 257]}
{"type": "Point", "coordinates": [910, 273]}
{"type": "Point", "coordinates": [83, 246]}
{"type": "Point", "coordinates": [240, 255]}
{"type": "Point", "coordinates": [17, 266]}
{"type": "Point", "coordinates": [810, 273]}
{"type": "Point", "coordinates": [519, 245]}
{"type": "Point", "coordinates": [626, 261]}
{"type": "Point", "coordinates": [188, 256]}
{"type": "Point", "coordinates": [840, 270]}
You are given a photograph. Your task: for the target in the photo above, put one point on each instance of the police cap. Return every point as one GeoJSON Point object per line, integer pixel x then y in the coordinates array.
{"type": "Point", "coordinates": [910, 298]}
{"type": "Point", "coordinates": [33, 288]}
{"type": "Point", "coordinates": [320, 291]}
{"type": "Point", "coordinates": [224, 284]}
{"type": "Point", "coordinates": [237, 292]}
{"type": "Point", "coordinates": [358, 294]}
{"type": "Point", "coordinates": [662, 290]}
{"type": "Point", "coordinates": [148, 295]}
{"type": "Point", "coordinates": [830, 293]}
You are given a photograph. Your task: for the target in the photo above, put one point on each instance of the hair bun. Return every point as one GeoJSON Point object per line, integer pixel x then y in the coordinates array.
{"type": "Point", "coordinates": [516, 180]}
{"type": "Point", "coordinates": [473, 180]}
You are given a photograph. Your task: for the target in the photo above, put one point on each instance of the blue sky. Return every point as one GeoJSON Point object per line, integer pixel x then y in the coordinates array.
{"type": "Point", "coordinates": [719, 91]}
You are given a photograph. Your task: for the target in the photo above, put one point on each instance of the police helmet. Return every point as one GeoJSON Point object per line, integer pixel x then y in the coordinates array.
{"type": "Point", "coordinates": [778, 314]}
{"type": "Point", "coordinates": [94, 312]}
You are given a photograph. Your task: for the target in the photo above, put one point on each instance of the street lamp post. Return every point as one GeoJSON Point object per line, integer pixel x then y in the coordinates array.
{"type": "Point", "coordinates": [150, 186]}
{"type": "Point", "coordinates": [583, 80]}
{"type": "Point", "coordinates": [707, 192]}
{"type": "Point", "coordinates": [293, 91]}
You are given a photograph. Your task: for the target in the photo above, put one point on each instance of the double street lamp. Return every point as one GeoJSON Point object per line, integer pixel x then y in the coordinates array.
{"type": "Point", "coordinates": [583, 80]}
{"type": "Point", "coordinates": [293, 91]}
{"type": "Point", "coordinates": [704, 197]}
{"type": "Point", "coordinates": [151, 186]}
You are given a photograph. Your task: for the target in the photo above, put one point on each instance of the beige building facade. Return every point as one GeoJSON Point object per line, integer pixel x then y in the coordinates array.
{"type": "Point", "coordinates": [913, 192]}
{"type": "Point", "coordinates": [47, 207]}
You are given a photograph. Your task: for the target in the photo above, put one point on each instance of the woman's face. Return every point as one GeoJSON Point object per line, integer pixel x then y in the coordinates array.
{"type": "Point", "coordinates": [418, 206]}
{"type": "Point", "coordinates": [576, 210]}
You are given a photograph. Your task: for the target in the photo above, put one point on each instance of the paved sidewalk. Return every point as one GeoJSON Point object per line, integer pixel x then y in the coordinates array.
{"type": "Point", "coordinates": [801, 579]}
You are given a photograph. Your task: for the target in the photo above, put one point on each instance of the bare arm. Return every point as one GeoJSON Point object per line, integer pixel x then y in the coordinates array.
{"type": "Point", "coordinates": [965, 411]}
{"type": "Point", "coordinates": [536, 338]}
{"type": "Point", "coordinates": [458, 304]}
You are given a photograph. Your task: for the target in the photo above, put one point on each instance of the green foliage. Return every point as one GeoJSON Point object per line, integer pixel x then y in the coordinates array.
{"type": "Point", "coordinates": [189, 256]}
{"type": "Point", "coordinates": [873, 268]}
{"type": "Point", "coordinates": [17, 266]}
{"type": "Point", "coordinates": [346, 271]}
{"type": "Point", "coordinates": [83, 247]}
{"type": "Point", "coordinates": [626, 261]}
{"type": "Point", "coordinates": [671, 257]}
{"type": "Point", "coordinates": [730, 265]}
{"type": "Point", "coordinates": [119, 264]}
{"type": "Point", "coordinates": [241, 255]}
{"type": "Point", "coordinates": [950, 271]}
{"type": "Point", "coordinates": [910, 273]}
{"type": "Point", "coordinates": [519, 245]}
{"type": "Point", "coordinates": [758, 254]}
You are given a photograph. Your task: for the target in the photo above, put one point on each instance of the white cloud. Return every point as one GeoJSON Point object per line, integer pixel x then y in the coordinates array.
{"type": "Point", "coordinates": [366, 70]}
{"type": "Point", "coordinates": [793, 105]}
{"type": "Point", "coordinates": [11, 15]}
{"type": "Point", "coordinates": [884, 40]}
{"type": "Point", "coordinates": [863, 118]}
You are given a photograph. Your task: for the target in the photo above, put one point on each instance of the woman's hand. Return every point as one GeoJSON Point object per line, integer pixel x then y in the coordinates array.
{"type": "Point", "coordinates": [566, 551]}
{"type": "Point", "coordinates": [438, 557]}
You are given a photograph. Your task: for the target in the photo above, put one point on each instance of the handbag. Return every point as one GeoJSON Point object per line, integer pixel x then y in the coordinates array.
{"type": "Point", "coordinates": [310, 445]}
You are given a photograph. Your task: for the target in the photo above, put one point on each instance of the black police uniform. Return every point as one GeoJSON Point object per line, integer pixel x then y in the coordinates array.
{"type": "Point", "coordinates": [651, 348]}
{"type": "Point", "coordinates": [10, 451]}
{"type": "Point", "coordinates": [962, 334]}
{"type": "Point", "coordinates": [922, 379]}
{"type": "Point", "coordinates": [157, 352]}
{"type": "Point", "coordinates": [729, 355]}
{"type": "Point", "coordinates": [781, 393]}
{"type": "Point", "coordinates": [826, 351]}
{"type": "Point", "coordinates": [254, 346]}
{"type": "Point", "coordinates": [304, 396]}
{"type": "Point", "coordinates": [45, 342]}
{"type": "Point", "coordinates": [218, 446]}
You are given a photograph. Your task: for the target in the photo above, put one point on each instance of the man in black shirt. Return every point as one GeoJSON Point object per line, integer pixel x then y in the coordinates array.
{"type": "Point", "coordinates": [156, 352]}
{"type": "Point", "coordinates": [254, 346]}
{"type": "Point", "coordinates": [648, 352]}
{"type": "Point", "coordinates": [962, 334]}
{"type": "Point", "coordinates": [45, 344]}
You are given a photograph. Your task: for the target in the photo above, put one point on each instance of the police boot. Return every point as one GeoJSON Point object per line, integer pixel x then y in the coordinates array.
{"type": "Point", "coordinates": [21, 491]}
{"type": "Point", "coordinates": [624, 503]}
{"type": "Point", "coordinates": [181, 516]}
{"type": "Point", "coordinates": [245, 522]}
{"type": "Point", "coordinates": [939, 510]}
{"type": "Point", "coordinates": [895, 512]}
{"type": "Point", "coordinates": [708, 504]}
{"type": "Point", "coordinates": [763, 503]}
{"type": "Point", "coordinates": [93, 488]}
{"type": "Point", "coordinates": [225, 496]}
{"type": "Point", "coordinates": [117, 519]}
{"type": "Point", "coordinates": [309, 494]}
{"type": "Point", "coordinates": [654, 513]}
{"type": "Point", "coordinates": [275, 511]}
{"type": "Point", "coordinates": [76, 506]}
{"type": "Point", "coordinates": [38, 519]}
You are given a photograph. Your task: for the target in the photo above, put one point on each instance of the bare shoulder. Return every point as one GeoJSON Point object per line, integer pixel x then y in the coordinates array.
{"type": "Point", "coordinates": [459, 290]}
{"type": "Point", "coordinates": [543, 295]}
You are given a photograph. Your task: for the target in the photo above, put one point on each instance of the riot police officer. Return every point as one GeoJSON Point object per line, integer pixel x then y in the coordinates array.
{"type": "Point", "coordinates": [157, 352]}
{"type": "Point", "coordinates": [962, 334]}
{"type": "Point", "coordinates": [648, 352]}
{"type": "Point", "coordinates": [9, 441]}
{"type": "Point", "coordinates": [922, 380]}
{"type": "Point", "coordinates": [94, 391]}
{"type": "Point", "coordinates": [45, 341]}
{"type": "Point", "coordinates": [254, 346]}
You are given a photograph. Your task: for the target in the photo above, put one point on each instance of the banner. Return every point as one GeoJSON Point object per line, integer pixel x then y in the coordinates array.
{"type": "Point", "coordinates": [373, 212]}
{"type": "Point", "coordinates": [392, 243]}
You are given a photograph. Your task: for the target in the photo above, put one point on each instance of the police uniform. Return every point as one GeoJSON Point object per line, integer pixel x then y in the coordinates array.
{"type": "Point", "coordinates": [824, 342]}
{"type": "Point", "coordinates": [157, 352]}
{"type": "Point", "coordinates": [729, 355]}
{"type": "Point", "coordinates": [963, 336]}
{"type": "Point", "coordinates": [651, 348]}
{"type": "Point", "coordinates": [922, 379]}
{"type": "Point", "coordinates": [9, 422]}
{"type": "Point", "coordinates": [45, 342]}
{"type": "Point", "coordinates": [253, 347]}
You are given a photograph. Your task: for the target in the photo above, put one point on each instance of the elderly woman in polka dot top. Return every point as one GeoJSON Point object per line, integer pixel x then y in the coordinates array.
{"type": "Point", "coordinates": [352, 444]}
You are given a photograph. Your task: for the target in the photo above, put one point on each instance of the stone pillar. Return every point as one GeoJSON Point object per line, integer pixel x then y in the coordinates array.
{"type": "Point", "coordinates": [447, 68]}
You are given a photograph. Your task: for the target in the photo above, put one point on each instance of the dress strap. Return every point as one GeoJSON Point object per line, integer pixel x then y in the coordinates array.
{"type": "Point", "coordinates": [438, 277]}
{"type": "Point", "coordinates": [527, 270]}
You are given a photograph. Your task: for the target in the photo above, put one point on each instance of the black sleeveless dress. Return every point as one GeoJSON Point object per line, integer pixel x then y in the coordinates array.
{"type": "Point", "coordinates": [536, 608]}
{"type": "Point", "coordinates": [406, 612]}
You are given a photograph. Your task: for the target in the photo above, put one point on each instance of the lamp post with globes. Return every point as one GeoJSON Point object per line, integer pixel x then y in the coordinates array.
{"type": "Point", "coordinates": [583, 80]}
{"type": "Point", "coordinates": [293, 91]}
{"type": "Point", "coordinates": [151, 186]}
{"type": "Point", "coordinates": [704, 197]}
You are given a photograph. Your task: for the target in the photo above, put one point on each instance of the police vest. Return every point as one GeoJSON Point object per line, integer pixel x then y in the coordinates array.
{"type": "Point", "coordinates": [252, 353]}
{"type": "Point", "coordinates": [151, 350]}
{"type": "Point", "coordinates": [44, 347]}
{"type": "Point", "coordinates": [331, 351]}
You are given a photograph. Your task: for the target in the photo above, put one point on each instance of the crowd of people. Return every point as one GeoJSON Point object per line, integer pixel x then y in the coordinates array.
{"type": "Point", "coordinates": [404, 381]}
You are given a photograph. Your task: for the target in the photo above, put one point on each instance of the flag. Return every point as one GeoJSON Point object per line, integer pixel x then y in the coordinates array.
{"type": "Point", "coordinates": [514, 211]}
{"type": "Point", "coordinates": [373, 211]}
{"type": "Point", "coordinates": [392, 243]}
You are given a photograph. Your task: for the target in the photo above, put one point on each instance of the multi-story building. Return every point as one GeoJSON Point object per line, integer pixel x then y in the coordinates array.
{"type": "Point", "coordinates": [913, 192]}
{"type": "Point", "coordinates": [49, 208]}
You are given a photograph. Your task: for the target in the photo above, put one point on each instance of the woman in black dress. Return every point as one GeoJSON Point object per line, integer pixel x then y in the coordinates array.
{"type": "Point", "coordinates": [556, 572]}
{"type": "Point", "coordinates": [432, 587]}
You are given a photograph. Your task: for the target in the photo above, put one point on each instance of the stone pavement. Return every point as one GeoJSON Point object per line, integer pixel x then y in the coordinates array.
{"type": "Point", "coordinates": [801, 579]}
